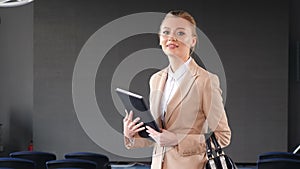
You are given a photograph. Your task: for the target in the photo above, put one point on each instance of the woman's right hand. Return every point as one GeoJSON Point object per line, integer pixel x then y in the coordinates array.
{"type": "Point", "coordinates": [130, 128]}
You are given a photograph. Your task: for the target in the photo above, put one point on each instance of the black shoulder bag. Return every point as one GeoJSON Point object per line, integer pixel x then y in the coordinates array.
{"type": "Point", "coordinates": [217, 160]}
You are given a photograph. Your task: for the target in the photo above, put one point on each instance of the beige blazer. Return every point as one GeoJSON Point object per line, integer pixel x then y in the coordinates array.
{"type": "Point", "coordinates": [195, 106]}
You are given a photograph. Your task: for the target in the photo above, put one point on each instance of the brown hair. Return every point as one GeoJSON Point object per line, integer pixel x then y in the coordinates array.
{"type": "Point", "coordinates": [183, 14]}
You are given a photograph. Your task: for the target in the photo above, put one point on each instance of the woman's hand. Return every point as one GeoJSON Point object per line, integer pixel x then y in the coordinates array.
{"type": "Point", "coordinates": [164, 139]}
{"type": "Point", "coordinates": [130, 128]}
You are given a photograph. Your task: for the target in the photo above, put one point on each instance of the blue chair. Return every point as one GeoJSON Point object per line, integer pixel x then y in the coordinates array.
{"type": "Point", "coordinates": [278, 160]}
{"type": "Point", "coordinates": [71, 164]}
{"type": "Point", "coordinates": [16, 163]}
{"type": "Point", "coordinates": [101, 160]}
{"type": "Point", "coordinates": [270, 155]}
{"type": "Point", "coordinates": [39, 158]}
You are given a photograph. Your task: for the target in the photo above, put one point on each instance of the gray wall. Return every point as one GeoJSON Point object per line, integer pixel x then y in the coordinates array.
{"type": "Point", "coordinates": [16, 72]}
{"type": "Point", "coordinates": [251, 38]}
{"type": "Point", "coordinates": [294, 75]}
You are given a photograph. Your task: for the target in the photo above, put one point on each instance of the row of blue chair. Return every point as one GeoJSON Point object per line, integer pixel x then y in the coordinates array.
{"type": "Point", "coordinates": [45, 160]}
{"type": "Point", "coordinates": [71, 164]}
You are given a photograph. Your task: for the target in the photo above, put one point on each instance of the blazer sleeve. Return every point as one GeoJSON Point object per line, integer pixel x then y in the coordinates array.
{"type": "Point", "coordinates": [137, 142]}
{"type": "Point", "coordinates": [213, 109]}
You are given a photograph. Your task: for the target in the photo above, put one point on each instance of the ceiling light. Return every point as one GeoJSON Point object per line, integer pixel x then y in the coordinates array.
{"type": "Point", "coordinates": [13, 3]}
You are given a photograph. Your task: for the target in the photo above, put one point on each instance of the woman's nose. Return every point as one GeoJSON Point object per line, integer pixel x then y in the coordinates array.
{"type": "Point", "coordinates": [172, 38]}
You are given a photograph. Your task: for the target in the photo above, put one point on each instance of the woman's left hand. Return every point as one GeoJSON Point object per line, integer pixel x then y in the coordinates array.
{"type": "Point", "coordinates": [164, 139]}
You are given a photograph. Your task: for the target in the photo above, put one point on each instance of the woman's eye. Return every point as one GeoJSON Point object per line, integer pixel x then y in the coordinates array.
{"type": "Point", "coordinates": [165, 32]}
{"type": "Point", "coordinates": [180, 33]}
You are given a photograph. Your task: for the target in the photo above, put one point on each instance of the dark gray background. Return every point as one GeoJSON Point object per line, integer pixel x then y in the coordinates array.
{"type": "Point", "coordinates": [251, 37]}
{"type": "Point", "coordinates": [16, 73]}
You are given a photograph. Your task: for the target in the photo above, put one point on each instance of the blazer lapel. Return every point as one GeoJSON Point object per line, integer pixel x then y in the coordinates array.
{"type": "Point", "coordinates": [156, 95]}
{"type": "Point", "coordinates": [183, 89]}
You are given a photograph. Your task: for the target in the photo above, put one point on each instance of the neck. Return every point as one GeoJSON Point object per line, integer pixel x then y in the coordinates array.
{"type": "Point", "coordinates": [176, 62]}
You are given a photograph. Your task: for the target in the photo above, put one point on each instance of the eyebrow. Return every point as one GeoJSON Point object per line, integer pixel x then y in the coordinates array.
{"type": "Point", "coordinates": [175, 29]}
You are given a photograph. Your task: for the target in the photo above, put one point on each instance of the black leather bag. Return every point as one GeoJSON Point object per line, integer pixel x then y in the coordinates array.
{"type": "Point", "coordinates": [217, 159]}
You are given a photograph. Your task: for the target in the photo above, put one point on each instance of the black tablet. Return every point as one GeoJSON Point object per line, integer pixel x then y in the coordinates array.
{"type": "Point", "coordinates": [140, 109]}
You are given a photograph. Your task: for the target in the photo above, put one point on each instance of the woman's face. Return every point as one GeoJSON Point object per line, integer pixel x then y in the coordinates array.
{"type": "Point", "coordinates": [176, 37]}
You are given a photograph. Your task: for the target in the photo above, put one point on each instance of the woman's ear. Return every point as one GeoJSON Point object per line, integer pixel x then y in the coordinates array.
{"type": "Point", "coordinates": [158, 39]}
{"type": "Point", "coordinates": [194, 41]}
{"type": "Point", "coordinates": [160, 42]}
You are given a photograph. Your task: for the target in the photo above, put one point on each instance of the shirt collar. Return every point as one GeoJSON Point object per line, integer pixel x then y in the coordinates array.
{"type": "Point", "coordinates": [180, 71]}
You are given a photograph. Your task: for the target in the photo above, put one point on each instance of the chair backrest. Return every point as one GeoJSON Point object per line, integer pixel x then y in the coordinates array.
{"type": "Point", "coordinates": [71, 163]}
{"type": "Point", "coordinates": [278, 163]}
{"type": "Point", "coordinates": [39, 158]}
{"type": "Point", "coordinates": [269, 155]}
{"type": "Point", "coordinates": [278, 160]}
{"type": "Point", "coordinates": [16, 163]}
{"type": "Point", "coordinates": [101, 160]}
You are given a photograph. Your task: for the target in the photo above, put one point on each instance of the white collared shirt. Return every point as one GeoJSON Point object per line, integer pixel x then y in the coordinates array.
{"type": "Point", "coordinates": [173, 81]}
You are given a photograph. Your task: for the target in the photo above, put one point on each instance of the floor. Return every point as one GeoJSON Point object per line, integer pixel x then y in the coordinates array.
{"type": "Point", "coordinates": [134, 166]}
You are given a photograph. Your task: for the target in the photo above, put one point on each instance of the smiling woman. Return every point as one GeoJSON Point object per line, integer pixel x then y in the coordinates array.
{"type": "Point", "coordinates": [13, 3]}
{"type": "Point", "coordinates": [185, 99]}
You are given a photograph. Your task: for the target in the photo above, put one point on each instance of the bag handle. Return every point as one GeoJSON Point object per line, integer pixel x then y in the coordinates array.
{"type": "Point", "coordinates": [211, 137]}
{"type": "Point", "coordinates": [296, 150]}
{"type": "Point", "coordinates": [218, 148]}
{"type": "Point", "coordinates": [208, 147]}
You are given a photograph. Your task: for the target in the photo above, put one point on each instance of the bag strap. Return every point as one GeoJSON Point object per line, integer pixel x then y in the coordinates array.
{"type": "Point", "coordinates": [296, 150]}
{"type": "Point", "coordinates": [218, 148]}
{"type": "Point", "coordinates": [209, 150]}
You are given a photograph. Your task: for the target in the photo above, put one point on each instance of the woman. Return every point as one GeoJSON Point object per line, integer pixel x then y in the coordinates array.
{"type": "Point", "coordinates": [185, 99]}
